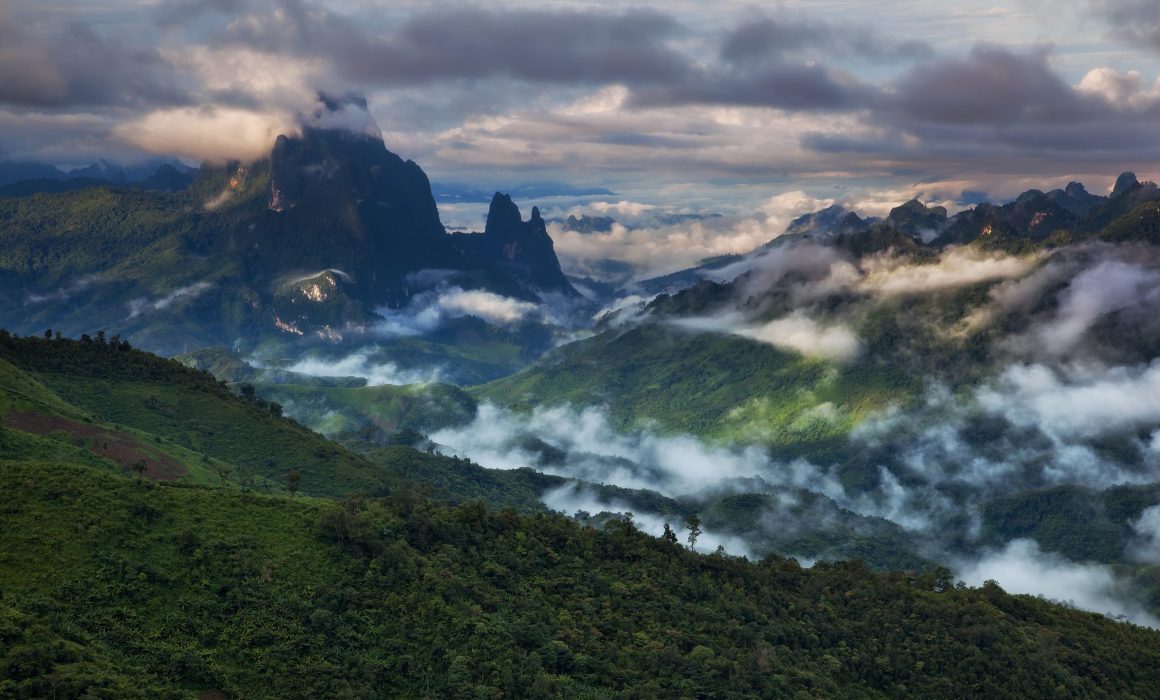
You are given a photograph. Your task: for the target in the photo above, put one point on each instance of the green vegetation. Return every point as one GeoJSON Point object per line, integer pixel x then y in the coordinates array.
{"type": "Point", "coordinates": [734, 389]}
{"type": "Point", "coordinates": [707, 384]}
{"type": "Point", "coordinates": [198, 422]}
{"type": "Point", "coordinates": [119, 588]}
{"type": "Point", "coordinates": [385, 409]}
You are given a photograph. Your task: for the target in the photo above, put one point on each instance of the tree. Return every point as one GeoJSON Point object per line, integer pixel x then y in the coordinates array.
{"type": "Point", "coordinates": [223, 471]}
{"type": "Point", "coordinates": [693, 524]}
{"type": "Point", "coordinates": [669, 536]}
{"type": "Point", "coordinates": [245, 478]}
{"type": "Point", "coordinates": [140, 466]}
{"type": "Point", "coordinates": [48, 334]}
{"type": "Point", "coordinates": [293, 481]}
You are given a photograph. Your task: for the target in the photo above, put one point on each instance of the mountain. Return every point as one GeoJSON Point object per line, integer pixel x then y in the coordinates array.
{"type": "Point", "coordinates": [314, 243]}
{"type": "Point", "coordinates": [167, 178]}
{"type": "Point", "coordinates": [165, 564]}
{"type": "Point", "coordinates": [588, 224]}
{"type": "Point", "coordinates": [521, 247]}
{"type": "Point", "coordinates": [12, 172]}
{"type": "Point", "coordinates": [1075, 198]}
{"type": "Point", "coordinates": [15, 171]}
{"type": "Point", "coordinates": [956, 385]}
{"type": "Point", "coordinates": [101, 170]}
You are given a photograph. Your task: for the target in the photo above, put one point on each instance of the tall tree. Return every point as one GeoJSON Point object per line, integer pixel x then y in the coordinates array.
{"type": "Point", "coordinates": [693, 524]}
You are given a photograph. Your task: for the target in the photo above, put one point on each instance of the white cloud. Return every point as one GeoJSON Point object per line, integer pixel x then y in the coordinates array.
{"type": "Point", "coordinates": [803, 334]}
{"type": "Point", "coordinates": [570, 498]}
{"type": "Point", "coordinates": [1078, 402]}
{"type": "Point", "coordinates": [1147, 529]}
{"type": "Point", "coordinates": [781, 209]}
{"type": "Point", "coordinates": [956, 267]}
{"type": "Point", "coordinates": [1109, 286]}
{"type": "Point", "coordinates": [431, 309]}
{"type": "Point", "coordinates": [349, 117]}
{"type": "Point", "coordinates": [597, 451]}
{"type": "Point", "coordinates": [486, 305]}
{"type": "Point", "coordinates": [360, 364]}
{"type": "Point", "coordinates": [1021, 567]}
{"type": "Point", "coordinates": [1123, 89]}
{"type": "Point", "coordinates": [796, 332]}
{"type": "Point", "coordinates": [140, 306]}
{"type": "Point", "coordinates": [208, 133]}
{"type": "Point", "coordinates": [659, 248]}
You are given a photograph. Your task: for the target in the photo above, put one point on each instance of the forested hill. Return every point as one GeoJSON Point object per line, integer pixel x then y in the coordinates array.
{"type": "Point", "coordinates": [119, 583]}
{"type": "Point", "coordinates": [119, 588]}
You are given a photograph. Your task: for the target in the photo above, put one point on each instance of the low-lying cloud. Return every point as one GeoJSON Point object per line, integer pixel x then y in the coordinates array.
{"type": "Point", "coordinates": [598, 452]}
{"type": "Point", "coordinates": [363, 365]}
{"type": "Point", "coordinates": [956, 267]}
{"type": "Point", "coordinates": [653, 241]}
{"type": "Point", "coordinates": [572, 498]}
{"type": "Point", "coordinates": [1077, 402]}
{"type": "Point", "coordinates": [797, 332]}
{"type": "Point", "coordinates": [179, 295]}
{"type": "Point", "coordinates": [431, 309]}
{"type": "Point", "coordinates": [1022, 567]}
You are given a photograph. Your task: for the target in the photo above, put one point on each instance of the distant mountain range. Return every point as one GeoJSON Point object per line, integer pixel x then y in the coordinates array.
{"type": "Point", "coordinates": [463, 194]}
{"type": "Point", "coordinates": [101, 171]}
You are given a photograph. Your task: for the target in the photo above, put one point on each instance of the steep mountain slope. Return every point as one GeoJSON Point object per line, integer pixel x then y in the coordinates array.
{"type": "Point", "coordinates": [307, 245]}
{"type": "Point", "coordinates": [522, 248]}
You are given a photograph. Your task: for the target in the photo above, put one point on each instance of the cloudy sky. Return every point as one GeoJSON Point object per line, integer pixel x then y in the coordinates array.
{"type": "Point", "coordinates": [664, 101]}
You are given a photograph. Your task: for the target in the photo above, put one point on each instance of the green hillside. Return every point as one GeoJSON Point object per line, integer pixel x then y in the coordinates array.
{"type": "Point", "coordinates": [116, 588]}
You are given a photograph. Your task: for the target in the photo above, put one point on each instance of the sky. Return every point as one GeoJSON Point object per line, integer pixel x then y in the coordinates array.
{"type": "Point", "coordinates": [661, 102]}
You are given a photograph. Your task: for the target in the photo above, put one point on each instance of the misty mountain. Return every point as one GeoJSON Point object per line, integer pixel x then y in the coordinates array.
{"type": "Point", "coordinates": [15, 171]}
{"type": "Point", "coordinates": [984, 387]}
{"type": "Point", "coordinates": [321, 240]}
{"type": "Point", "coordinates": [100, 171]}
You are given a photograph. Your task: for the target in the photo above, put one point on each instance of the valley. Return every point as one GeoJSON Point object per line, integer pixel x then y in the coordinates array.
{"type": "Point", "coordinates": [578, 351]}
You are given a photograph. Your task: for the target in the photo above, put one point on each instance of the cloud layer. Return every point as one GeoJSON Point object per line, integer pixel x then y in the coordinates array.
{"type": "Point", "coordinates": [663, 95]}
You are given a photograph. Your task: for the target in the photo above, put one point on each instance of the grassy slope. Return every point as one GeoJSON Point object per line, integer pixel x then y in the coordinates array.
{"type": "Point", "coordinates": [708, 384]}
{"type": "Point", "coordinates": [184, 413]}
{"type": "Point", "coordinates": [122, 584]}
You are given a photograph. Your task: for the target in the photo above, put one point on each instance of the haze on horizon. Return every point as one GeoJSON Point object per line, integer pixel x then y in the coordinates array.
{"type": "Point", "coordinates": [666, 101]}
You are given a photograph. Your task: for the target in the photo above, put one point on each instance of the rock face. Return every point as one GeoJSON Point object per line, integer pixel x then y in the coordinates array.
{"type": "Point", "coordinates": [1124, 183]}
{"type": "Point", "coordinates": [1075, 198]}
{"type": "Point", "coordinates": [824, 223]}
{"type": "Point", "coordinates": [523, 247]}
{"type": "Point", "coordinates": [339, 199]}
{"type": "Point", "coordinates": [917, 220]}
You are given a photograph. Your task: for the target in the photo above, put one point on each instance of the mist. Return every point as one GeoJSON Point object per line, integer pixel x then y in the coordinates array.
{"type": "Point", "coordinates": [1021, 567]}
{"type": "Point", "coordinates": [585, 444]}
{"type": "Point", "coordinates": [573, 499]}
{"type": "Point", "coordinates": [140, 306]}
{"type": "Point", "coordinates": [361, 365]}
{"type": "Point", "coordinates": [1063, 403]}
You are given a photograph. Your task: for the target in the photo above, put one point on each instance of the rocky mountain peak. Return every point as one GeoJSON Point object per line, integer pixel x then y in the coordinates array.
{"type": "Point", "coordinates": [1124, 183]}
{"type": "Point", "coordinates": [524, 247]}
{"type": "Point", "coordinates": [503, 217]}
